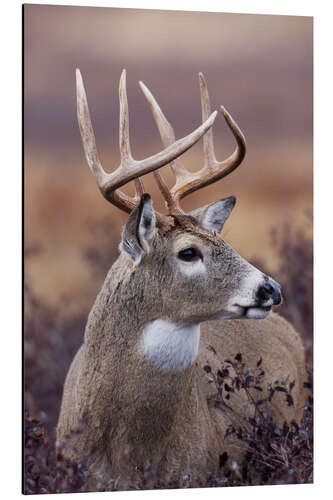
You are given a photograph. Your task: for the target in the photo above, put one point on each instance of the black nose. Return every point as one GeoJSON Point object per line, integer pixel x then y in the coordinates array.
{"type": "Point", "coordinates": [269, 290]}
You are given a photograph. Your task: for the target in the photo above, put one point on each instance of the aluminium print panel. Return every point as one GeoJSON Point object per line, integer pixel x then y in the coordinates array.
{"type": "Point", "coordinates": [168, 249]}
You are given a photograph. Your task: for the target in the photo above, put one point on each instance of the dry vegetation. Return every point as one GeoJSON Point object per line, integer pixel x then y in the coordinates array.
{"type": "Point", "coordinates": [275, 455]}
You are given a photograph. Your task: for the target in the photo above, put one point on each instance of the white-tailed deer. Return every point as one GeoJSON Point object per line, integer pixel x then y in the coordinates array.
{"type": "Point", "coordinates": [137, 386]}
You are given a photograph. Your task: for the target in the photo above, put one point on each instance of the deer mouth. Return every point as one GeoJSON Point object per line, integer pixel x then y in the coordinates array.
{"type": "Point", "coordinates": [251, 312]}
{"type": "Point", "coordinates": [256, 312]}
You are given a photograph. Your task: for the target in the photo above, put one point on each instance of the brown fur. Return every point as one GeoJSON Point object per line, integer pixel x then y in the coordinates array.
{"type": "Point", "coordinates": [132, 413]}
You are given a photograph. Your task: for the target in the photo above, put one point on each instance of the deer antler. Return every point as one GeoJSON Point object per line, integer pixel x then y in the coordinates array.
{"type": "Point", "coordinates": [212, 170]}
{"type": "Point", "coordinates": [129, 169]}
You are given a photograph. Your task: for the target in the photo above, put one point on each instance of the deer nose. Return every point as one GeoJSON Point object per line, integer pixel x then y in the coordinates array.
{"type": "Point", "coordinates": [270, 290]}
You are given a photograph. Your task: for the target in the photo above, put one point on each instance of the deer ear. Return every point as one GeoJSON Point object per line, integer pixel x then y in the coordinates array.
{"type": "Point", "coordinates": [213, 216]}
{"type": "Point", "coordinates": [139, 230]}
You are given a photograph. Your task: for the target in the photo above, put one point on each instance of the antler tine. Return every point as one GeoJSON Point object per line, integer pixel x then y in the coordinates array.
{"type": "Point", "coordinates": [126, 159]}
{"type": "Point", "coordinates": [212, 170]}
{"type": "Point", "coordinates": [87, 133]}
{"type": "Point", "coordinates": [233, 161]}
{"type": "Point", "coordinates": [168, 137]}
{"type": "Point", "coordinates": [208, 141]}
{"type": "Point", "coordinates": [129, 169]}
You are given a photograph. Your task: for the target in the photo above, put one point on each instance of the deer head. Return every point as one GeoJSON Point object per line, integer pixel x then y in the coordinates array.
{"type": "Point", "coordinates": [195, 274]}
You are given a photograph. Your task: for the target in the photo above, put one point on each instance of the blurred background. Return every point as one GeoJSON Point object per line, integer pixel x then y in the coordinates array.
{"type": "Point", "coordinates": [259, 67]}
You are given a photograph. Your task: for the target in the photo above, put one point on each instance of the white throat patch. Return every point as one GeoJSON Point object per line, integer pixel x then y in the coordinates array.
{"type": "Point", "coordinates": [170, 346]}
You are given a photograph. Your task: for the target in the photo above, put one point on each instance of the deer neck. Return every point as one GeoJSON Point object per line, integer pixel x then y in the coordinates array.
{"type": "Point", "coordinates": [168, 346]}
{"type": "Point", "coordinates": [145, 364]}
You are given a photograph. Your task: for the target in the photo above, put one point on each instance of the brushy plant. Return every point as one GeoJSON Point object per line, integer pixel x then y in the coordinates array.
{"type": "Point", "coordinates": [295, 275]}
{"type": "Point", "coordinates": [275, 455]}
{"type": "Point", "coordinates": [45, 469]}
{"type": "Point", "coordinates": [49, 347]}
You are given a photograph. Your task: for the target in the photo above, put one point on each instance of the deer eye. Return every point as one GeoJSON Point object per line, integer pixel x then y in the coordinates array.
{"type": "Point", "coordinates": [189, 254]}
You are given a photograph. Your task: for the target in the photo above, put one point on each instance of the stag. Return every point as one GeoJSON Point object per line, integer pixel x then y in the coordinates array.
{"type": "Point", "coordinates": [174, 301]}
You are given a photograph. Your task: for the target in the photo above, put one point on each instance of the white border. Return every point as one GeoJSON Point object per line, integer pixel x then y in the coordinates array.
{"type": "Point", "coordinates": [282, 7]}
{"type": "Point", "coordinates": [11, 238]}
